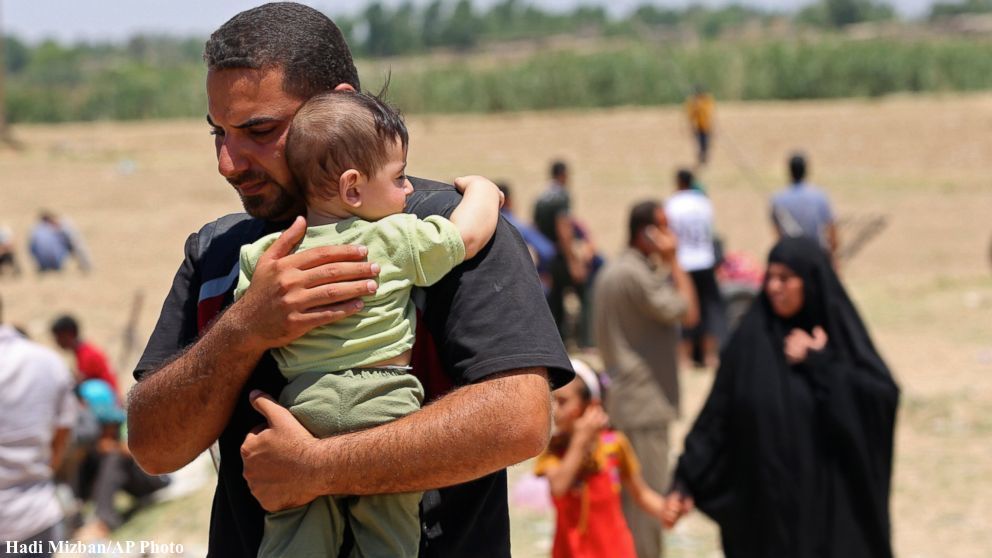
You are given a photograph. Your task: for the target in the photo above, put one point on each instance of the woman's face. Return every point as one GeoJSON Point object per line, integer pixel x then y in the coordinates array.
{"type": "Point", "coordinates": [784, 290]}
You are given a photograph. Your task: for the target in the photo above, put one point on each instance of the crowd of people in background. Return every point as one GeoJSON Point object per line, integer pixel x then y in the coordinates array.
{"type": "Point", "coordinates": [62, 440]}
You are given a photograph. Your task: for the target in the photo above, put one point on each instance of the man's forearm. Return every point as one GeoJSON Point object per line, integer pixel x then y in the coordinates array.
{"type": "Point", "coordinates": [177, 411]}
{"type": "Point", "coordinates": [474, 431]}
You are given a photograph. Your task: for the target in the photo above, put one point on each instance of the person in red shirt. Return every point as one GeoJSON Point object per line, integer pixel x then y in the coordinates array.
{"type": "Point", "coordinates": [91, 363]}
{"type": "Point", "coordinates": [586, 465]}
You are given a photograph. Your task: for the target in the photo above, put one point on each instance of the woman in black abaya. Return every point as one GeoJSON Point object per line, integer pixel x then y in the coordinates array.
{"type": "Point", "coordinates": [792, 453]}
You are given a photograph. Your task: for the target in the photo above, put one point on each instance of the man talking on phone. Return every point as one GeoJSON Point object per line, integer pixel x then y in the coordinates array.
{"type": "Point", "coordinates": [642, 299]}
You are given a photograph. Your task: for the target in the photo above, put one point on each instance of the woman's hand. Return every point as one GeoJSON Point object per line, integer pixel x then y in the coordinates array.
{"type": "Point", "coordinates": [799, 343]}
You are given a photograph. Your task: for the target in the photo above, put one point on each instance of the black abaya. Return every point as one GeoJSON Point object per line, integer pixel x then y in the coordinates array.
{"type": "Point", "coordinates": [795, 461]}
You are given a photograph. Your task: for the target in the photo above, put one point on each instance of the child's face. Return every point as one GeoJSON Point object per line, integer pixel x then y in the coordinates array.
{"type": "Point", "coordinates": [385, 193]}
{"type": "Point", "coordinates": [568, 406]}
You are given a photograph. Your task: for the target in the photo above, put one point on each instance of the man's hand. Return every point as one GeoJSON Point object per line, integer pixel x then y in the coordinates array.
{"type": "Point", "coordinates": [799, 343]}
{"type": "Point", "coordinates": [290, 294]}
{"type": "Point", "coordinates": [663, 241]}
{"type": "Point", "coordinates": [277, 464]}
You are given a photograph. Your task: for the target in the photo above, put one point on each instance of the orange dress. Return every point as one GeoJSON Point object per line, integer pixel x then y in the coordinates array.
{"type": "Point", "coordinates": [590, 522]}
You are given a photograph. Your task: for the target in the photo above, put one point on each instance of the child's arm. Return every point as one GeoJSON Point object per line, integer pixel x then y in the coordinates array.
{"type": "Point", "coordinates": [645, 497]}
{"type": "Point", "coordinates": [587, 427]}
{"type": "Point", "coordinates": [477, 214]}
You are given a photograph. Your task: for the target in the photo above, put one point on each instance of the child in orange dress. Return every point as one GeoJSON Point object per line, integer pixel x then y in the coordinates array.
{"type": "Point", "coordinates": [586, 465]}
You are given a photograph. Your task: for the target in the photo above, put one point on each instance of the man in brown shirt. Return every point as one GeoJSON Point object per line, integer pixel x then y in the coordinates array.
{"type": "Point", "coordinates": [642, 297]}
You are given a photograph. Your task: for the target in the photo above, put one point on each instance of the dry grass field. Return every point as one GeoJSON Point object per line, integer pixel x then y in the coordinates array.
{"type": "Point", "coordinates": [924, 286]}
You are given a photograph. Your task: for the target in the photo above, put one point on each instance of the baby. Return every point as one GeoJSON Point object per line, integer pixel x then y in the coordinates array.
{"type": "Point", "coordinates": [347, 151]}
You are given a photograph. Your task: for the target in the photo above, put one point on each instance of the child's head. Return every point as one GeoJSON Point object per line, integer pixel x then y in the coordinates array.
{"type": "Point", "coordinates": [572, 399]}
{"type": "Point", "coordinates": [347, 152]}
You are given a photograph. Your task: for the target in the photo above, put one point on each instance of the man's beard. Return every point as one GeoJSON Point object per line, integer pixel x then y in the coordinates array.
{"type": "Point", "coordinates": [261, 207]}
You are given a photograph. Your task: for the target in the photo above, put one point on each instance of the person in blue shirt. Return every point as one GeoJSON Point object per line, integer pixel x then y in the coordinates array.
{"type": "Point", "coordinates": [49, 244]}
{"type": "Point", "coordinates": [52, 241]}
{"type": "Point", "coordinates": [803, 210]}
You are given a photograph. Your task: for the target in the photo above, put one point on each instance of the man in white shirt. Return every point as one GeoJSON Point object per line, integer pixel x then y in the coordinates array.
{"type": "Point", "coordinates": [690, 215]}
{"type": "Point", "coordinates": [37, 411]}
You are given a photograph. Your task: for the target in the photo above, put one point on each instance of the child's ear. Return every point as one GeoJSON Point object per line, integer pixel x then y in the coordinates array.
{"type": "Point", "coordinates": [350, 187]}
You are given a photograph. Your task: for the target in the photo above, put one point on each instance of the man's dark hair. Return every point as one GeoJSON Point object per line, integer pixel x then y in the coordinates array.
{"type": "Point", "coordinates": [340, 130]}
{"type": "Point", "coordinates": [305, 43]}
{"type": "Point", "coordinates": [684, 178]}
{"type": "Point", "coordinates": [642, 216]}
{"type": "Point", "coordinates": [558, 168]}
{"type": "Point", "coordinates": [797, 167]}
{"type": "Point", "coordinates": [65, 323]}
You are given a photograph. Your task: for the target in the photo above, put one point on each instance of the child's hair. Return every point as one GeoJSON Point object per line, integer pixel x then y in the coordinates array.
{"type": "Point", "coordinates": [337, 131]}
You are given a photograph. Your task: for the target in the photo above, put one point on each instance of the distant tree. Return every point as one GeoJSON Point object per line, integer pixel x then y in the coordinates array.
{"type": "Point", "coordinates": [432, 24]}
{"type": "Point", "coordinates": [379, 41]}
{"type": "Point", "coordinates": [15, 55]}
{"type": "Point", "coordinates": [947, 9]}
{"type": "Point", "coordinates": [655, 16]}
{"type": "Point", "coordinates": [838, 13]}
{"type": "Point", "coordinates": [462, 29]}
{"type": "Point", "coordinates": [5, 135]}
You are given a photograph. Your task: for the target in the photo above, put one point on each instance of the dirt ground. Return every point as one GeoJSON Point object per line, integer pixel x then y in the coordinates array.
{"type": "Point", "coordinates": [924, 285]}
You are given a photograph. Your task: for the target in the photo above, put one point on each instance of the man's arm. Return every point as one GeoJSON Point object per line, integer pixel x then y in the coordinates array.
{"type": "Point", "coordinates": [178, 410]}
{"type": "Point", "coordinates": [471, 432]}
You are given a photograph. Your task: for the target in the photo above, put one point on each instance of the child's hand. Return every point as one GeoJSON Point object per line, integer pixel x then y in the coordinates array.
{"type": "Point", "coordinates": [588, 426]}
{"type": "Point", "coordinates": [463, 182]}
{"type": "Point", "coordinates": [676, 506]}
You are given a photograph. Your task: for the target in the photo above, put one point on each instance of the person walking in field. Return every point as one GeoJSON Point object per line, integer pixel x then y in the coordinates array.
{"type": "Point", "coordinates": [803, 210]}
{"type": "Point", "coordinates": [587, 464]}
{"type": "Point", "coordinates": [792, 452]}
{"type": "Point", "coordinates": [690, 216]}
{"type": "Point", "coordinates": [700, 108]}
{"type": "Point", "coordinates": [643, 299]}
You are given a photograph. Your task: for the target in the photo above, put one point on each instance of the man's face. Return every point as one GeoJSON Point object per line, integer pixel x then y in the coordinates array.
{"type": "Point", "coordinates": [250, 115]}
{"type": "Point", "coordinates": [65, 339]}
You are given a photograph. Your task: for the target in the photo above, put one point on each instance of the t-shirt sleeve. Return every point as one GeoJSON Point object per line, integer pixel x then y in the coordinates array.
{"type": "Point", "coordinates": [545, 462]}
{"type": "Point", "coordinates": [629, 464]}
{"type": "Point", "coordinates": [176, 326]}
{"type": "Point", "coordinates": [489, 314]}
{"type": "Point", "coordinates": [93, 364]}
{"type": "Point", "coordinates": [436, 248]}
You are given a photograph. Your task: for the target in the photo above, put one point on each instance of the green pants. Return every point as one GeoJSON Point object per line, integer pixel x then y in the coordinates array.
{"type": "Point", "coordinates": [384, 526]}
